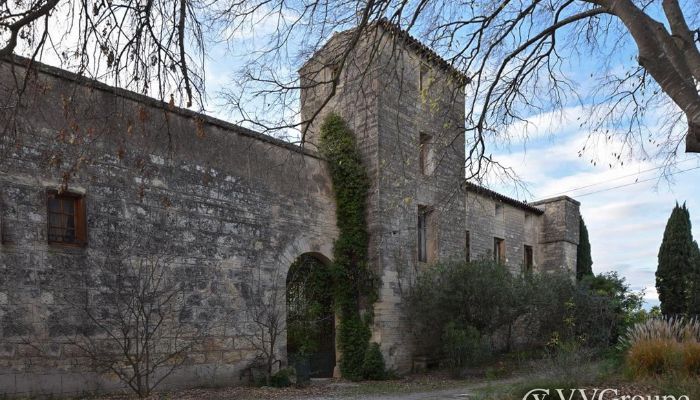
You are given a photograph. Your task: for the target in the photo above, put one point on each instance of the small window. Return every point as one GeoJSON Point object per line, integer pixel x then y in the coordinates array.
{"type": "Point", "coordinates": [424, 79]}
{"type": "Point", "coordinates": [427, 239]}
{"type": "Point", "coordinates": [66, 219]}
{"type": "Point", "coordinates": [499, 250]}
{"type": "Point", "coordinates": [426, 154]}
{"type": "Point", "coordinates": [422, 234]}
{"type": "Point", "coordinates": [468, 247]}
{"type": "Point", "coordinates": [529, 259]}
{"type": "Point", "coordinates": [498, 211]}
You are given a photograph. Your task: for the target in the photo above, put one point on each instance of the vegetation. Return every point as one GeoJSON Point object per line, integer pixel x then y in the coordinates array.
{"type": "Point", "coordinates": [140, 317]}
{"type": "Point", "coordinates": [468, 311]}
{"type": "Point", "coordinates": [677, 272]}
{"type": "Point", "coordinates": [584, 261]}
{"type": "Point", "coordinates": [373, 367]}
{"type": "Point", "coordinates": [662, 346]}
{"type": "Point", "coordinates": [626, 305]}
{"type": "Point", "coordinates": [463, 347]}
{"type": "Point", "coordinates": [354, 283]}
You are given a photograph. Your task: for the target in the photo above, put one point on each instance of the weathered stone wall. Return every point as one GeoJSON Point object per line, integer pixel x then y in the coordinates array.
{"type": "Point", "coordinates": [516, 226]}
{"type": "Point", "coordinates": [226, 205]}
{"type": "Point", "coordinates": [380, 95]}
{"type": "Point", "coordinates": [233, 208]}
{"type": "Point", "coordinates": [559, 234]}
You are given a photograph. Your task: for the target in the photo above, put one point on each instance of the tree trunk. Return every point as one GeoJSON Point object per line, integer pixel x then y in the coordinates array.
{"type": "Point", "coordinates": [668, 59]}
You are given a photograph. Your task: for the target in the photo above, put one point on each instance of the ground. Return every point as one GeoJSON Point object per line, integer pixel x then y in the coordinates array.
{"type": "Point", "coordinates": [494, 383]}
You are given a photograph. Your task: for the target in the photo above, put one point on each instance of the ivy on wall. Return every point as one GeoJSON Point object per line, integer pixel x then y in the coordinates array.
{"type": "Point", "coordinates": [353, 281]}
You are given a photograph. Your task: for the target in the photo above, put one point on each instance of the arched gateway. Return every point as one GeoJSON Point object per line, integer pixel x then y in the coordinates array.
{"type": "Point", "coordinates": [310, 315]}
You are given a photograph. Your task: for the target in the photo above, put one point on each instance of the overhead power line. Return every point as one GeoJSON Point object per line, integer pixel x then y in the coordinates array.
{"type": "Point", "coordinates": [636, 182]}
{"type": "Point", "coordinates": [621, 177]}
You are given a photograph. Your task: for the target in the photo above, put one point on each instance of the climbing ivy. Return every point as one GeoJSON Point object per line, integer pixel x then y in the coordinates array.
{"type": "Point", "coordinates": [354, 283]}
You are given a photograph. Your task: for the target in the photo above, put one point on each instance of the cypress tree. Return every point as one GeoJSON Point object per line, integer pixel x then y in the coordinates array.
{"type": "Point", "coordinates": [584, 261]}
{"type": "Point", "coordinates": [677, 259]}
{"type": "Point", "coordinates": [694, 285]}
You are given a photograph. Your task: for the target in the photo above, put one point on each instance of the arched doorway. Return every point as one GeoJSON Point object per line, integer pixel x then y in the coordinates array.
{"type": "Point", "coordinates": [310, 316]}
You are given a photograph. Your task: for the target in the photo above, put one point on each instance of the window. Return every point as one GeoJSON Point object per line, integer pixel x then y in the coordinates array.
{"type": "Point", "coordinates": [424, 79]}
{"type": "Point", "coordinates": [426, 154]}
{"type": "Point", "coordinates": [499, 250]}
{"type": "Point", "coordinates": [528, 261]}
{"type": "Point", "coordinates": [422, 234]}
{"type": "Point", "coordinates": [66, 218]}
{"type": "Point", "coordinates": [498, 211]}
{"type": "Point", "coordinates": [427, 243]}
{"type": "Point", "coordinates": [528, 222]}
{"type": "Point", "coordinates": [467, 247]}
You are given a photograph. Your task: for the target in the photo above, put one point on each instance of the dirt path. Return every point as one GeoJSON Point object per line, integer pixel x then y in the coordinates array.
{"type": "Point", "coordinates": [456, 393]}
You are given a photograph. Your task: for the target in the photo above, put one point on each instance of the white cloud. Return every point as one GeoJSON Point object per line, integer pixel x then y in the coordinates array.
{"type": "Point", "coordinates": [625, 219]}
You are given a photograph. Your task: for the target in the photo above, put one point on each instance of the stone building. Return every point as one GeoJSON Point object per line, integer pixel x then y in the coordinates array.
{"type": "Point", "coordinates": [87, 169]}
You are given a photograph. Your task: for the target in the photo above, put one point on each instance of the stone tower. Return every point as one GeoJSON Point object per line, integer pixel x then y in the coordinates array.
{"type": "Point", "coordinates": [406, 106]}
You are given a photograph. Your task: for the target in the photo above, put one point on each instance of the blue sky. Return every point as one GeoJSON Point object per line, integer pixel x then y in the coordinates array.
{"type": "Point", "coordinates": [625, 219]}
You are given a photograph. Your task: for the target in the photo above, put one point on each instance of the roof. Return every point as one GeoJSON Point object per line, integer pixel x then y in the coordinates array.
{"type": "Point", "coordinates": [422, 49]}
{"type": "Point", "coordinates": [150, 101]}
{"type": "Point", "coordinates": [406, 38]}
{"type": "Point", "coordinates": [472, 187]}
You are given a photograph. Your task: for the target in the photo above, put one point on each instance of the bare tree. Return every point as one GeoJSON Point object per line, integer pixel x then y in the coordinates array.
{"type": "Point", "coordinates": [137, 317]}
{"type": "Point", "coordinates": [640, 57]}
{"type": "Point", "coordinates": [265, 325]}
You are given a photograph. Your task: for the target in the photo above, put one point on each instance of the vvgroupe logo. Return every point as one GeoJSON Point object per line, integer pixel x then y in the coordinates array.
{"type": "Point", "coordinates": [591, 394]}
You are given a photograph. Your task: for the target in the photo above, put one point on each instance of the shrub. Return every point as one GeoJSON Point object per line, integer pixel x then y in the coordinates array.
{"type": "Point", "coordinates": [675, 329]}
{"type": "Point", "coordinates": [463, 347]}
{"type": "Point", "coordinates": [482, 294]}
{"type": "Point", "coordinates": [354, 334]}
{"type": "Point", "coordinates": [486, 296]}
{"type": "Point", "coordinates": [691, 358]}
{"type": "Point", "coordinates": [653, 357]}
{"type": "Point", "coordinates": [373, 366]}
{"type": "Point", "coordinates": [282, 378]}
{"type": "Point", "coordinates": [663, 346]}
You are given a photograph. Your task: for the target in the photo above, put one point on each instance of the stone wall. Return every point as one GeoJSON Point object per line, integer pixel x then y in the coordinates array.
{"type": "Point", "coordinates": [380, 95]}
{"type": "Point", "coordinates": [230, 209]}
{"type": "Point", "coordinates": [559, 235]}
{"type": "Point", "coordinates": [516, 225]}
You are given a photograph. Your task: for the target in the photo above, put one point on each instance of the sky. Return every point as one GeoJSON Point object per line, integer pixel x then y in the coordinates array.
{"type": "Point", "coordinates": [625, 207]}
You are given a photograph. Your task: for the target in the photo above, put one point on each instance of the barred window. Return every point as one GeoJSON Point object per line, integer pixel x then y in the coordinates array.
{"type": "Point", "coordinates": [66, 219]}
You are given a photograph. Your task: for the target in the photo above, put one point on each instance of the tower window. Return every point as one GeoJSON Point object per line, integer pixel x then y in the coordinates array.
{"type": "Point", "coordinates": [424, 79]}
{"type": "Point", "coordinates": [427, 242]}
{"type": "Point", "coordinates": [66, 219]}
{"type": "Point", "coordinates": [426, 154]}
{"type": "Point", "coordinates": [467, 247]}
{"type": "Point", "coordinates": [499, 250]}
{"type": "Point", "coordinates": [529, 259]}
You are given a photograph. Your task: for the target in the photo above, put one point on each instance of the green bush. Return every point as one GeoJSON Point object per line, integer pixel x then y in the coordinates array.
{"type": "Point", "coordinates": [354, 336]}
{"type": "Point", "coordinates": [373, 366]}
{"type": "Point", "coordinates": [463, 347]}
{"type": "Point", "coordinates": [485, 296]}
{"type": "Point", "coordinates": [282, 378]}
